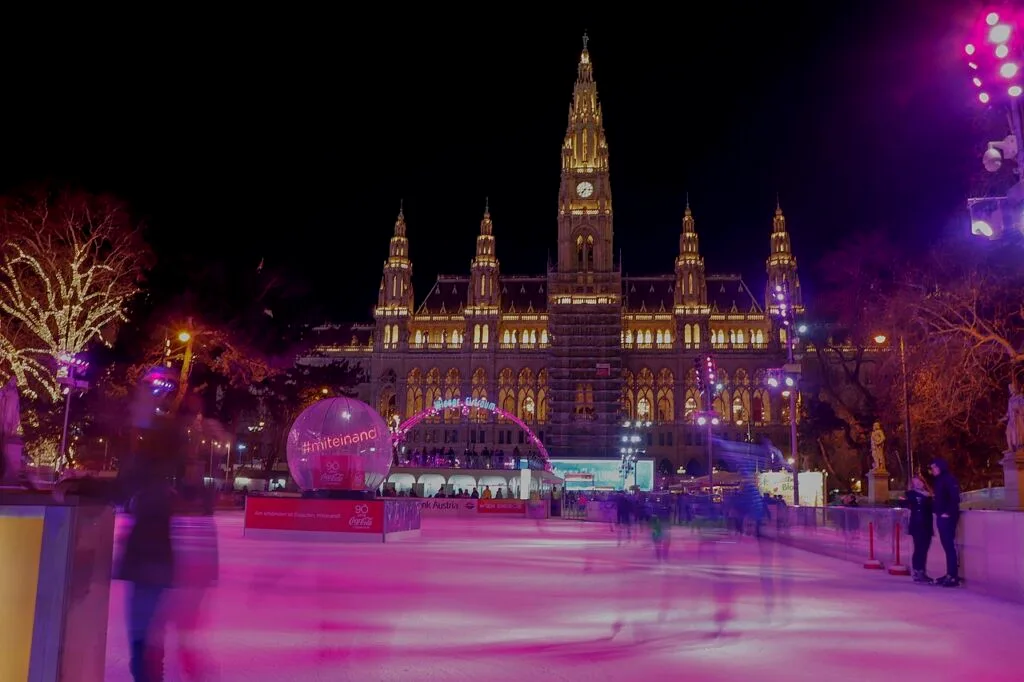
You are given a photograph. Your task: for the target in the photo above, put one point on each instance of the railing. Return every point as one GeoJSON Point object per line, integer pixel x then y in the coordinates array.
{"type": "Point", "coordinates": [843, 532]}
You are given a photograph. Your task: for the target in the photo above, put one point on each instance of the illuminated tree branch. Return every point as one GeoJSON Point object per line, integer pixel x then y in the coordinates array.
{"type": "Point", "coordinates": [69, 265]}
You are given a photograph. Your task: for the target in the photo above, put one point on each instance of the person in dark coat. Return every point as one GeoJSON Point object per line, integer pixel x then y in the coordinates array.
{"type": "Point", "coordinates": [921, 527]}
{"type": "Point", "coordinates": [147, 564]}
{"type": "Point", "coordinates": [947, 514]}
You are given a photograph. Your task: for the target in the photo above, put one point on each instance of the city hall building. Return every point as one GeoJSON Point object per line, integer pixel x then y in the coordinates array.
{"type": "Point", "coordinates": [576, 351]}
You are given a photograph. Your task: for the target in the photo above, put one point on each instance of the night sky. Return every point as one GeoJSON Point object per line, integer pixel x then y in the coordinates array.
{"type": "Point", "coordinates": [293, 139]}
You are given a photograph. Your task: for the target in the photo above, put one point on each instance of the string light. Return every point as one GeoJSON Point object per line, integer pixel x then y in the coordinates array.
{"type": "Point", "coordinates": [66, 276]}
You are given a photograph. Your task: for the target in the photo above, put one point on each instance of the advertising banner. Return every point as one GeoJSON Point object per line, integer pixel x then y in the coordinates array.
{"type": "Point", "coordinates": [508, 507]}
{"type": "Point", "coordinates": [330, 516]}
{"type": "Point", "coordinates": [440, 506]}
{"type": "Point", "coordinates": [338, 472]}
{"type": "Point", "coordinates": [812, 486]}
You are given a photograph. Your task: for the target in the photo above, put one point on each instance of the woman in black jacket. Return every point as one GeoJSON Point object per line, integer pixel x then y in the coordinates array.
{"type": "Point", "coordinates": [921, 527]}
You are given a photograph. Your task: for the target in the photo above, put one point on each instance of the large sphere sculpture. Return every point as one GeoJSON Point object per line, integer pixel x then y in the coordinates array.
{"type": "Point", "coordinates": [339, 444]}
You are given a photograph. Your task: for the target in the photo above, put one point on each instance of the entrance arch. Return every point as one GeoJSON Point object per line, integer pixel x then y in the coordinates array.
{"type": "Point", "coordinates": [465, 405]}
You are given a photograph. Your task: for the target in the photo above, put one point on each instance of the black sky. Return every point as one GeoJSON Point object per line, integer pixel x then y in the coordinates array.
{"type": "Point", "coordinates": [293, 138]}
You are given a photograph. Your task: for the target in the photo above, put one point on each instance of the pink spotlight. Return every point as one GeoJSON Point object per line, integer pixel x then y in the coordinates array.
{"type": "Point", "coordinates": [1014, 91]}
{"type": "Point", "coordinates": [969, 49]}
{"type": "Point", "coordinates": [1008, 70]}
{"type": "Point", "coordinates": [973, 65]}
{"type": "Point", "coordinates": [999, 34]}
{"type": "Point", "coordinates": [983, 97]}
{"type": "Point", "coordinates": [992, 19]}
{"type": "Point", "coordinates": [1002, 51]}
{"type": "Point", "coordinates": [977, 81]}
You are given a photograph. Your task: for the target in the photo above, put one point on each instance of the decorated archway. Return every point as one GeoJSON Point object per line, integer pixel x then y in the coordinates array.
{"type": "Point", "coordinates": [465, 405]}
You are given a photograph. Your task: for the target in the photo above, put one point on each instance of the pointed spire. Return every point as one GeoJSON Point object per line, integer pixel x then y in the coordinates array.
{"type": "Point", "coordinates": [585, 147]}
{"type": "Point", "coordinates": [400, 221]}
{"type": "Point", "coordinates": [779, 221]}
{"type": "Point", "coordinates": [486, 226]}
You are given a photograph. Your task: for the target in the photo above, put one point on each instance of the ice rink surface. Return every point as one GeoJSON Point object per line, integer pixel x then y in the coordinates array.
{"type": "Point", "coordinates": [511, 599]}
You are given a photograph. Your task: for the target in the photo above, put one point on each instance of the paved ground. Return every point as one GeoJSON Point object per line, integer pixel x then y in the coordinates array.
{"type": "Point", "coordinates": [507, 599]}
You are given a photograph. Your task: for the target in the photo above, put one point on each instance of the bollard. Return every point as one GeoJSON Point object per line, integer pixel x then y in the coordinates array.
{"type": "Point", "coordinates": [872, 562]}
{"type": "Point", "coordinates": [898, 568]}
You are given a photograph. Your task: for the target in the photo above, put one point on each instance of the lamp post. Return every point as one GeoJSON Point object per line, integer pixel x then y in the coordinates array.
{"type": "Point", "coordinates": [785, 311]}
{"type": "Point", "coordinates": [188, 337]}
{"type": "Point", "coordinates": [881, 339]}
{"type": "Point", "coordinates": [69, 366]}
{"type": "Point", "coordinates": [633, 446]}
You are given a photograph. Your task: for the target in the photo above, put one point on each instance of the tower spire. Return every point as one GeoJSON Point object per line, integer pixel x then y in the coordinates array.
{"type": "Point", "coordinates": [396, 295]}
{"type": "Point", "coordinates": [781, 263]}
{"type": "Point", "coordinates": [691, 286]}
{"type": "Point", "coordinates": [483, 290]}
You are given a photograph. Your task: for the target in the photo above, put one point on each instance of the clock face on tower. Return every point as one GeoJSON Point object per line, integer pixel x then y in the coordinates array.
{"type": "Point", "coordinates": [584, 189]}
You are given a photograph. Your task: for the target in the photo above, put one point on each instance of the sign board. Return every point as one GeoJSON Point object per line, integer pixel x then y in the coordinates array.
{"type": "Point", "coordinates": [506, 507]}
{"type": "Point", "coordinates": [812, 486]}
{"type": "Point", "coordinates": [448, 506]}
{"type": "Point", "coordinates": [324, 516]}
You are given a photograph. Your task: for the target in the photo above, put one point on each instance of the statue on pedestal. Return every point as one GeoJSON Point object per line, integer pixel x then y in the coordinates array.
{"type": "Point", "coordinates": [1015, 420]}
{"type": "Point", "coordinates": [10, 431]}
{"type": "Point", "coordinates": [878, 449]}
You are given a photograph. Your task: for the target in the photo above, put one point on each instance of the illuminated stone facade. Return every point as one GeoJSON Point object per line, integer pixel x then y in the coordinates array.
{"type": "Point", "coordinates": [580, 349]}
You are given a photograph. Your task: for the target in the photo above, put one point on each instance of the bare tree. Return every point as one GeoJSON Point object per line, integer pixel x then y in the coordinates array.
{"type": "Point", "coordinates": [69, 264]}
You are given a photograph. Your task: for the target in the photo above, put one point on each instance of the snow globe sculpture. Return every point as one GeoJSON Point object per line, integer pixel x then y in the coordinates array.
{"type": "Point", "coordinates": [340, 446]}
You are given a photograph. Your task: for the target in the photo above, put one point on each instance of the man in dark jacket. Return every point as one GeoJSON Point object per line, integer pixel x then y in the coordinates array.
{"type": "Point", "coordinates": [947, 514]}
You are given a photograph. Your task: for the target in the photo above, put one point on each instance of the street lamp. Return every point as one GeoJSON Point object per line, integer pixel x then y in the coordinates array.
{"type": "Point", "coordinates": [70, 365]}
{"type": "Point", "coordinates": [880, 339]}
{"type": "Point", "coordinates": [633, 445]}
{"type": "Point", "coordinates": [786, 312]}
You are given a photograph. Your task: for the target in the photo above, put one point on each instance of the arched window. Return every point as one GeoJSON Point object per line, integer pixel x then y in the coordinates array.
{"type": "Point", "coordinates": [414, 392]}
{"type": "Point", "coordinates": [526, 402]}
{"type": "Point", "coordinates": [506, 391]}
{"type": "Point", "coordinates": [433, 391]}
{"type": "Point", "coordinates": [666, 397]}
{"type": "Point", "coordinates": [479, 382]}
{"type": "Point", "coordinates": [452, 390]}
{"type": "Point", "coordinates": [645, 394]}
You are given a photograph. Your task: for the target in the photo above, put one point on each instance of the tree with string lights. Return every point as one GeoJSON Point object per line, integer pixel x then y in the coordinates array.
{"type": "Point", "coordinates": [70, 263]}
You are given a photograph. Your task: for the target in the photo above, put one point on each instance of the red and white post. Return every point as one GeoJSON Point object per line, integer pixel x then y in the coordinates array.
{"type": "Point", "coordinates": [898, 568]}
{"type": "Point", "coordinates": [872, 562]}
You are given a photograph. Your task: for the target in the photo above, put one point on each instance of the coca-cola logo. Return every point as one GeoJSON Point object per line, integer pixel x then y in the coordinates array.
{"type": "Point", "coordinates": [362, 519]}
{"type": "Point", "coordinates": [331, 473]}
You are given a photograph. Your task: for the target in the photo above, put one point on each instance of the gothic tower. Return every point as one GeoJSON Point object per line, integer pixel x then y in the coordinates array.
{"type": "Point", "coordinates": [691, 290]}
{"type": "Point", "coordinates": [781, 266]}
{"type": "Point", "coordinates": [585, 288]}
{"type": "Point", "coordinates": [395, 300]}
{"type": "Point", "coordinates": [484, 290]}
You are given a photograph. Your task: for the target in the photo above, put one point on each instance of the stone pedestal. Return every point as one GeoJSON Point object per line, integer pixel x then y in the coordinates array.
{"type": "Point", "coordinates": [1013, 479]}
{"type": "Point", "coordinates": [878, 487]}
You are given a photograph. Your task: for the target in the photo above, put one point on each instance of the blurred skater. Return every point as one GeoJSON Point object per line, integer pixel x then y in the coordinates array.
{"type": "Point", "coordinates": [147, 564]}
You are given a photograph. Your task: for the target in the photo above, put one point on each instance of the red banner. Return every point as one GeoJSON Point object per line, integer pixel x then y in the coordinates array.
{"type": "Point", "coordinates": [501, 507]}
{"type": "Point", "coordinates": [331, 516]}
{"type": "Point", "coordinates": [339, 472]}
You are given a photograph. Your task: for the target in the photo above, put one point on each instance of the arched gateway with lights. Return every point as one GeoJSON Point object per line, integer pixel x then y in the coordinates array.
{"type": "Point", "coordinates": [512, 478]}
{"type": "Point", "coordinates": [466, 406]}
